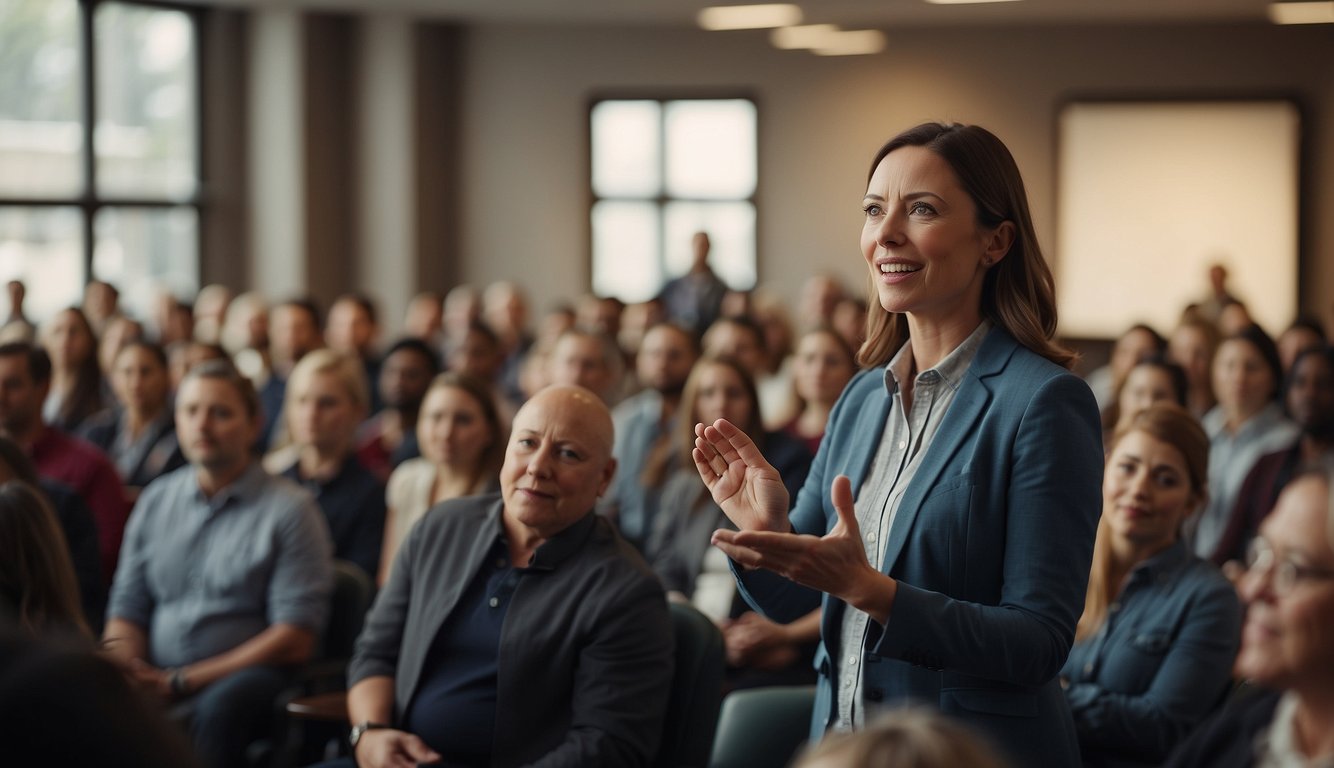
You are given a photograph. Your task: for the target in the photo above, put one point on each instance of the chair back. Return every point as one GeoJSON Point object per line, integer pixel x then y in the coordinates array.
{"type": "Point", "coordinates": [349, 602]}
{"type": "Point", "coordinates": [762, 727]}
{"type": "Point", "coordinates": [697, 690]}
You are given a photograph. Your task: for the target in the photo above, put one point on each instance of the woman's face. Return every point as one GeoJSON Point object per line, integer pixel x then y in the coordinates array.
{"type": "Point", "coordinates": [1288, 639]}
{"type": "Point", "coordinates": [1311, 395]}
{"type": "Point", "coordinates": [67, 340]}
{"type": "Point", "coordinates": [324, 415]}
{"type": "Point", "coordinates": [1189, 348]}
{"type": "Point", "coordinates": [1146, 491]}
{"type": "Point", "coordinates": [921, 239]}
{"type": "Point", "coordinates": [452, 429]}
{"type": "Point", "coordinates": [1243, 382]}
{"type": "Point", "coordinates": [1146, 385]}
{"type": "Point", "coordinates": [139, 380]}
{"type": "Point", "coordinates": [722, 394]}
{"type": "Point", "coordinates": [821, 369]}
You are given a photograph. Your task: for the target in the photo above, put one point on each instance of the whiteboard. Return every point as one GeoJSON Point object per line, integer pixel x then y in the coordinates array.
{"type": "Point", "coordinates": [1150, 194]}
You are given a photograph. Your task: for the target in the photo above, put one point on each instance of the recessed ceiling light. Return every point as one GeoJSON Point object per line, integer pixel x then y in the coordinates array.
{"type": "Point", "coordinates": [966, 2]}
{"type": "Point", "coordinates": [1302, 12]}
{"type": "Point", "coordinates": [808, 36]}
{"type": "Point", "coordinates": [749, 16]}
{"type": "Point", "coordinates": [852, 43]}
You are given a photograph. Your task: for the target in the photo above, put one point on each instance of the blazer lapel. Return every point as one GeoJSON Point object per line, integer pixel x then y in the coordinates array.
{"type": "Point", "coordinates": [970, 403]}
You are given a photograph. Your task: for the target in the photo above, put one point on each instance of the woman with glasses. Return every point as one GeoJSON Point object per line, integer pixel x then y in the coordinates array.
{"type": "Point", "coordinates": [1153, 651]}
{"type": "Point", "coordinates": [1287, 644]}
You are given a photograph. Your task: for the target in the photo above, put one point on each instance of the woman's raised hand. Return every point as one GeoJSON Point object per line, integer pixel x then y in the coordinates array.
{"type": "Point", "coordinates": [745, 485]}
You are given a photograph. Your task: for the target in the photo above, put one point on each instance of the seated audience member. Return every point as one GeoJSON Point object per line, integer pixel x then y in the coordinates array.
{"type": "Point", "coordinates": [821, 367]}
{"type": "Point", "coordinates": [480, 355]}
{"type": "Point", "coordinates": [1310, 400]}
{"type": "Point", "coordinates": [226, 578]}
{"type": "Point", "coordinates": [518, 629]}
{"type": "Point", "coordinates": [140, 435]}
{"type": "Point", "coordinates": [101, 302]}
{"type": "Point", "coordinates": [505, 312]}
{"type": "Point", "coordinates": [184, 355]}
{"type": "Point", "coordinates": [1137, 342]}
{"type": "Point", "coordinates": [389, 438]}
{"type": "Point", "coordinates": [326, 400]}
{"type": "Point", "coordinates": [294, 332]}
{"type": "Point", "coordinates": [25, 376]}
{"type": "Point", "coordinates": [694, 571]}
{"type": "Point", "coordinates": [120, 330]}
{"type": "Point", "coordinates": [643, 422]}
{"type": "Point", "coordinates": [1152, 379]}
{"type": "Point", "coordinates": [1234, 318]}
{"type": "Point", "coordinates": [245, 334]}
{"type": "Point", "coordinates": [1304, 333]}
{"type": "Point", "coordinates": [905, 738]}
{"type": "Point", "coordinates": [462, 442]}
{"type": "Point", "coordinates": [586, 359]}
{"type": "Point", "coordinates": [1153, 651]}
{"type": "Point", "coordinates": [775, 383]}
{"type": "Point", "coordinates": [1247, 423]}
{"type": "Point", "coordinates": [461, 308]}
{"type": "Point", "coordinates": [740, 338]}
{"type": "Point", "coordinates": [1192, 346]}
{"type": "Point", "coordinates": [424, 319]}
{"type": "Point", "coordinates": [850, 321]}
{"type": "Point", "coordinates": [76, 525]}
{"type": "Point", "coordinates": [353, 328]}
{"type": "Point", "coordinates": [1288, 589]}
{"type": "Point", "coordinates": [76, 376]}
{"type": "Point", "coordinates": [209, 310]}
{"type": "Point", "coordinates": [38, 590]}
{"type": "Point", "coordinates": [819, 295]}
{"type": "Point", "coordinates": [63, 704]}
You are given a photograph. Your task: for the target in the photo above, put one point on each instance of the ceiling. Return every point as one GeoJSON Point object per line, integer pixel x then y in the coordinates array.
{"type": "Point", "coordinates": [883, 14]}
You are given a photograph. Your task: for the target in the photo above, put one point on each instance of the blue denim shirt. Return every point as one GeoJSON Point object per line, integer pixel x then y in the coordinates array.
{"type": "Point", "coordinates": [1160, 663]}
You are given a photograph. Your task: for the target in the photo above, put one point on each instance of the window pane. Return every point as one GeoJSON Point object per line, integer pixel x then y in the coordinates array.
{"type": "Point", "coordinates": [143, 251]}
{"type": "Point", "coordinates": [40, 138]}
{"type": "Point", "coordinates": [710, 148]}
{"type": "Point", "coordinates": [146, 101]}
{"type": "Point", "coordinates": [43, 247]}
{"type": "Point", "coordinates": [627, 149]}
{"type": "Point", "coordinates": [625, 250]}
{"type": "Point", "coordinates": [731, 229]}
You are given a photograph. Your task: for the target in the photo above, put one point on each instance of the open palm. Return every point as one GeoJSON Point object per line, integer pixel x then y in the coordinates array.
{"type": "Point", "coordinates": [744, 485]}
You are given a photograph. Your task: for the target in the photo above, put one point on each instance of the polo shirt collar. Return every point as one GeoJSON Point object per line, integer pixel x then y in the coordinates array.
{"type": "Point", "coordinates": [555, 550]}
{"type": "Point", "coordinates": [246, 488]}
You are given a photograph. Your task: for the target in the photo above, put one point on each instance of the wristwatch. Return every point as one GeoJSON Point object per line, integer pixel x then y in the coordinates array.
{"type": "Point", "coordinates": [360, 729]}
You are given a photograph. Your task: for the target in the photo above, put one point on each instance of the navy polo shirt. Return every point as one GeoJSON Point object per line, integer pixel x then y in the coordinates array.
{"type": "Point", "coordinates": [454, 709]}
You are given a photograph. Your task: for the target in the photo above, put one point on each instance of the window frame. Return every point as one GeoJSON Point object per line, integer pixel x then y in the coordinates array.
{"type": "Point", "coordinates": [662, 200]}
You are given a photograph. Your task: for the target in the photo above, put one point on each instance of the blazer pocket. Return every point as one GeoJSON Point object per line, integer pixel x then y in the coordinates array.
{"type": "Point", "coordinates": [989, 701]}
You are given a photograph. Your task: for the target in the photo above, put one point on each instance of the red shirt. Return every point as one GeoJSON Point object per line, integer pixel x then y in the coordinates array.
{"type": "Point", "coordinates": [79, 465]}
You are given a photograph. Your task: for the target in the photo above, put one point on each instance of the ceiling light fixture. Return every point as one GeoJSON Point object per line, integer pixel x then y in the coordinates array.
{"type": "Point", "coordinates": [1302, 12]}
{"type": "Point", "coordinates": [966, 2]}
{"type": "Point", "coordinates": [852, 43]}
{"type": "Point", "coordinates": [725, 17]}
{"type": "Point", "coordinates": [807, 36]}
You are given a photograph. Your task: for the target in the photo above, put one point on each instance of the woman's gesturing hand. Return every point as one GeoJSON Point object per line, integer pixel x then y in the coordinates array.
{"type": "Point", "coordinates": [745, 485]}
{"type": "Point", "coordinates": [834, 563]}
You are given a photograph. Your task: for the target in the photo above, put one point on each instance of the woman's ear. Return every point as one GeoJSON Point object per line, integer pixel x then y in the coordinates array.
{"type": "Point", "coordinates": [998, 243]}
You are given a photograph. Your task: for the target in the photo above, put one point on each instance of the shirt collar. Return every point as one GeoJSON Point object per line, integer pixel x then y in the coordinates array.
{"type": "Point", "coordinates": [1163, 564]}
{"type": "Point", "coordinates": [552, 552]}
{"type": "Point", "coordinates": [949, 370]}
{"type": "Point", "coordinates": [245, 488]}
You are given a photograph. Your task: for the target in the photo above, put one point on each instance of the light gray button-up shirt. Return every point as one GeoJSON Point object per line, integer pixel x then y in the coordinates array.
{"type": "Point", "coordinates": [902, 446]}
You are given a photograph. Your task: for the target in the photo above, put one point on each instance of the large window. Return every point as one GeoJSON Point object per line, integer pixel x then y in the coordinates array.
{"type": "Point", "coordinates": [661, 171]}
{"type": "Point", "coordinates": [99, 150]}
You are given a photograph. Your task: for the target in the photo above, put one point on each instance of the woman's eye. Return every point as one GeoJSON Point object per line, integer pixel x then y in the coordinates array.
{"type": "Point", "coordinates": [873, 209]}
{"type": "Point", "coordinates": [921, 208]}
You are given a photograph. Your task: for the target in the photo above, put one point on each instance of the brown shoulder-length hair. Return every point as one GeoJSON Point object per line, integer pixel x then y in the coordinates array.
{"type": "Point", "coordinates": [1174, 425]}
{"type": "Point", "coordinates": [1018, 293]}
{"type": "Point", "coordinates": [488, 465]}
{"type": "Point", "coordinates": [36, 575]}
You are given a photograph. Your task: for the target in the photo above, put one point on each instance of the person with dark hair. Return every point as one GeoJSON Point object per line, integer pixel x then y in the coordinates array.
{"type": "Point", "coordinates": [1286, 653]}
{"type": "Point", "coordinates": [1309, 396]}
{"type": "Point", "coordinates": [140, 435]}
{"type": "Point", "coordinates": [741, 338]}
{"type": "Point", "coordinates": [1153, 651]}
{"type": "Point", "coordinates": [353, 328]}
{"type": "Point", "coordinates": [38, 590]}
{"type": "Point", "coordinates": [76, 374]}
{"type": "Point", "coordinates": [294, 331]}
{"type": "Point", "coordinates": [1192, 346]}
{"type": "Point", "coordinates": [694, 300]}
{"type": "Point", "coordinates": [25, 377]}
{"type": "Point", "coordinates": [1305, 333]}
{"type": "Point", "coordinates": [957, 574]}
{"type": "Point", "coordinates": [588, 359]}
{"type": "Point", "coordinates": [225, 582]}
{"type": "Point", "coordinates": [389, 438]}
{"type": "Point", "coordinates": [1247, 423]}
{"type": "Point", "coordinates": [1152, 379]}
{"type": "Point", "coordinates": [1138, 341]}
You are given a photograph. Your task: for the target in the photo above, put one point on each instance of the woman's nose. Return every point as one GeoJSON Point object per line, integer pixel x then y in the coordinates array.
{"type": "Point", "coordinates": [891, 230]}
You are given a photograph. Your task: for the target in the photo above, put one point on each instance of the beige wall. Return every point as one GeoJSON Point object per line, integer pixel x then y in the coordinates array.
{"type": "Point", "coordinates": [527, 89]}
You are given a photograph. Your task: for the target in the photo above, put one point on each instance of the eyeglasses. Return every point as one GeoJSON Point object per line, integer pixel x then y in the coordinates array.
{"type": "Point", "coordinates": [1286, 573]}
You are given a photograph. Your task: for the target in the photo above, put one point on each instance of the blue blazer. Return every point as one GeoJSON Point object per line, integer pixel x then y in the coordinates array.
{"type": "Point", "coordinates": [991, 548]}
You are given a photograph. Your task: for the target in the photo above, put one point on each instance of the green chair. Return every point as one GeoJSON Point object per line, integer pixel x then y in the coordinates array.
{"type": "Point", "coordinates": [762, 727]}
{"type": "Point", "coordinates": [697, 691]}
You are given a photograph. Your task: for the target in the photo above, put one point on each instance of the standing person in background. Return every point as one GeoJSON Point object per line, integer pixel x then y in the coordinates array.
{"type": "Point", "coordinates": [694, 299]}
{"type": "Point", "coordinates": [1247, 423]}
{"type": "Point", "coordinates": [957, 575]}
{"type": "Point", "coordinates": [17, 327]}
{"type": "Point", "coordinates": [326, 399]}
{"type": "Point", "coordinates": [389, 438]}
{"type": "Point", "coordinates": [25, 377]}
{"type": "Point", "coordinates": [76, 374]}
{"type": "Point", "coordinates": [1192, 346]}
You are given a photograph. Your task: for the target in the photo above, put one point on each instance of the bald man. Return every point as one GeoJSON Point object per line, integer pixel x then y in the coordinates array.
{"type": "Point", "coordinates": [518, 628]}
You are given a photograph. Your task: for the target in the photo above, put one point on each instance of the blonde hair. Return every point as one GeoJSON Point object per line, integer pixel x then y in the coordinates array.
{"type": "Point", "coordinates": [1018, 292]}
{"type": "Point", "coordinates": [905, 738]}
{"type": "Point", "coordinates": [350, 372]}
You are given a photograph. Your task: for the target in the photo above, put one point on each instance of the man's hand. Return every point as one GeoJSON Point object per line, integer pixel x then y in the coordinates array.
{"type": "Point", "coordinates": [389, 748]}
{"type": "Point", "coordinates": [149, 678]}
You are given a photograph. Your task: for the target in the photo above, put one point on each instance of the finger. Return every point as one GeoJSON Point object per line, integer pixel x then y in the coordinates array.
{"type": "Point", "coordinates": [747, 558]}
{"type": "Point", "coordinates": [418, 751]}
{"type": "Point", "coordinates": [738, 444]}
{"type": "Point", "coordinates": [840, 493]}
{"type": "Point", "coordinates": [770, 541]}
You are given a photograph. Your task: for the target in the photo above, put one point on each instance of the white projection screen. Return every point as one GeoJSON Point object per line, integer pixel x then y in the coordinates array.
{"type": "Point", "coordinates": [1150, 194]}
